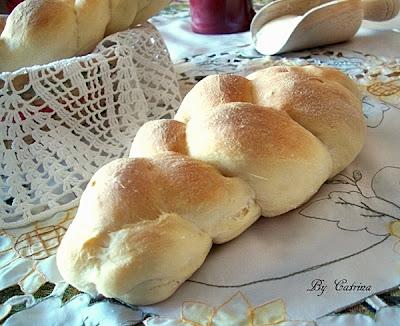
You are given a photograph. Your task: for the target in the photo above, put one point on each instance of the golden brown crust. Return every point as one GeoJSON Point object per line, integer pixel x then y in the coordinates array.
{"type": "Point", "coordinates": [324, 101]}
{"type": "Point", "coordinates": [92, 17]}
{"type": "Point", "coordinates": [313, 121]}
{"type": "Point", "coordinates": [332, 75]}
{"type": "Point", "coordinates": [42, 31]}
{"type": "Point", "coordinates": [223, 207]}
{"type": "Point", "coordinates": [38, 31]}
{"type": "Point", "coordinates": [264, 147]}
{"type": "Point", "coordinates": [133, 262]}
{"type": "Point", "coordinates": [123, 13]}
{"type": "Point", "coordinates": [144, 225]}
{"type": "Point", "coordinates": [212, 91]}
{"type": "Point", "coordinates": [159, 136]}
{"type": "Point", "coordinates": [123, 191]}
{"type": "Point", "coordinates": [148, 8]}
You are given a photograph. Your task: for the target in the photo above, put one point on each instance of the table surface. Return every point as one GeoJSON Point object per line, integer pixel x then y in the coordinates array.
{"type": "Point", "coordinates": [381, 39]}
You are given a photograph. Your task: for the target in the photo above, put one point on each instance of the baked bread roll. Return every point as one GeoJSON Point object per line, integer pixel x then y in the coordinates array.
{"type": "Point", "coordinates": [42, 31]}
{"type": "Point", "coordinates": [238, 147]}
{"type": "Point", "coordinates": [145, 225]}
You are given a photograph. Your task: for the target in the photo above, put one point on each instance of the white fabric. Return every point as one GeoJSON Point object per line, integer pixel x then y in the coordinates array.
{"type": "Point", "coordinates": [376, 38]}
{"type": "Point", "coordinates": [182, 42]}
{"type": "Point", "coordinates": [62, 121]}
{"type": "Point", "coordinates": [346, 232]}
{"type": "Point", "coordinates": [341, 235]}
{"type": "Point", "coordinates": [78, 311]}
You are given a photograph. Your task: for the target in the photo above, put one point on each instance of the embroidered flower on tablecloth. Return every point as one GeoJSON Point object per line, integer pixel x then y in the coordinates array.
{"type": "Point", "coordinates": [27, 257]}
{"type": "Point", "coordinates": [387, 88]}
{"type": "Point", "coordinates": [374, 111]}
{"type": "Point", "coordinates": [378, 215]}
{"type": "Point", "coordinates": [237, 311]}
{"type": "Point", "coordinates": [394, 229]}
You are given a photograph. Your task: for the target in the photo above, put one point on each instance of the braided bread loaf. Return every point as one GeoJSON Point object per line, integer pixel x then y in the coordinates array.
{"type": "Point", "coordinates": [238, 148]}
{"type": "Point", "coordinates": [42, 31]}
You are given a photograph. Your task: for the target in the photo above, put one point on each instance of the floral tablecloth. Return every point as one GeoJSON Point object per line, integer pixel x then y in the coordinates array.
{"type": "Point", "coordinates": [340, 249]}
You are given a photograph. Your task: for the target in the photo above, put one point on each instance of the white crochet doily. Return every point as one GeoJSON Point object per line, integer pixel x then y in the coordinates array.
{"type": "Point", "coordinates": [60, 122]}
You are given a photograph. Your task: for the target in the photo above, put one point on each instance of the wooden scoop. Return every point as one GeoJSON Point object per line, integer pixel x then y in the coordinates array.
{"type": "Point", "coordinates": [288, 25]}
{"type": "Point", "coordinates": [3, 19]}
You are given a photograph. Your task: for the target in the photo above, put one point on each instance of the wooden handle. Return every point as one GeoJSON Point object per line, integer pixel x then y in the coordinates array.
{"type": "Point", "coordinates": [3, 19]}
{"type": "Point", "coordinates": [380, 10]}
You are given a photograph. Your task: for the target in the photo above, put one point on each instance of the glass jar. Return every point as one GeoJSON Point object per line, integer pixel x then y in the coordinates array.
{"type": "Point", "coordinates": [221, 16]}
